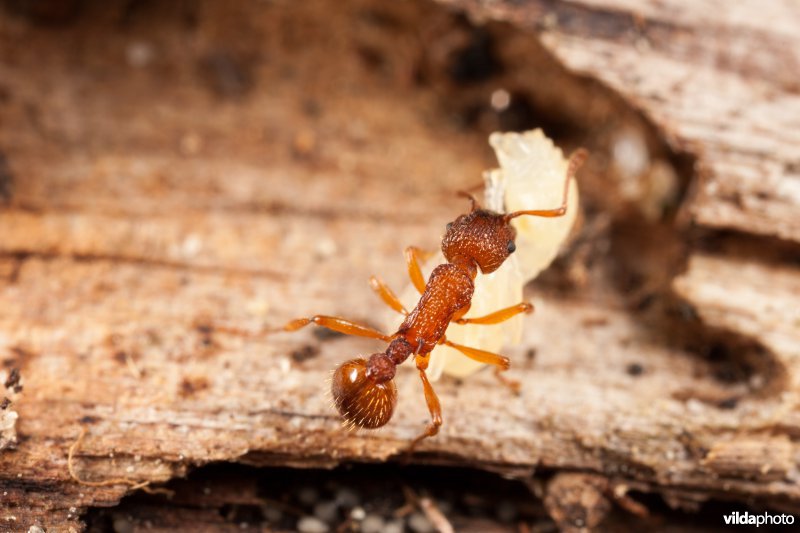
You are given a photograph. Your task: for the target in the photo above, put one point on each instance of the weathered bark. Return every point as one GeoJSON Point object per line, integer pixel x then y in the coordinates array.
{"type": "Point", "coordinates": [719, 81]}
{"type": "Point", "coordinates": [177, 180]}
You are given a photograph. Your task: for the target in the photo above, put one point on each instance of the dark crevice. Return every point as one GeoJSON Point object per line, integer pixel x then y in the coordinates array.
{"type": "Point", "coordinates": [357, 497]}
{"type": "Point", "coordinates": [6, 180]}
{"type": "Point", "coordinates": [757, 248]}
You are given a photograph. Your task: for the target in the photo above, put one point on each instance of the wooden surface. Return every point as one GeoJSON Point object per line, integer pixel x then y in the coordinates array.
{"type": "Point", "coordinates": [718, 80]}
{"type": "Point", "coordinates": [178, 178]}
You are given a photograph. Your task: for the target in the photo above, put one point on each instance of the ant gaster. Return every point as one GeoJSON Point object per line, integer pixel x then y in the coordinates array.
{"type": "Point", "coordinates": [363, 390]}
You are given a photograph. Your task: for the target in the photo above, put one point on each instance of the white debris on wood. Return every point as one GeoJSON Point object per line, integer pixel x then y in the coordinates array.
{"type": "Point", "coordinates": [8, 417]}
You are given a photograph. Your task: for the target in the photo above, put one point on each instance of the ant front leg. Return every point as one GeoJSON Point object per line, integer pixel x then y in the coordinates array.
{"type": "Point", "coordinates": [386, 294]}
{"type": "Point", "coordinates": [335, 323]}
{"type": "Point", "coordinates": [501, 363]}
{"type": "Point", "coordinates": [413, 255]}
{"type": "Point", "coordinates": [434, 407]}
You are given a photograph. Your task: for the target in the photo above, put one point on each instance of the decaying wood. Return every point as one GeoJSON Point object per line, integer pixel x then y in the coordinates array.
{"type": "Point", "coordinates": [577, 501]}
{"type": "Point", "coordinates": [8, 416]}
{"type": "Point", "coordinates": [171, 190]}
{"type": "Point", "coordinates": [719, 83]}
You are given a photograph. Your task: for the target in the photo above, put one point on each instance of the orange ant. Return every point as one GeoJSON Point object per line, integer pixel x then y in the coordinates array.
{"type": "Point", "coordinates": [363, 390]}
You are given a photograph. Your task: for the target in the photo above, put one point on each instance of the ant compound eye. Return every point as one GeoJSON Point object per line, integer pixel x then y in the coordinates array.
{"type": "Point", "coordinates": [511, 247]}
{"type": "Point", "coordinates": [359, 399]}
{"type": "Point", "coordinates": [449, 225]}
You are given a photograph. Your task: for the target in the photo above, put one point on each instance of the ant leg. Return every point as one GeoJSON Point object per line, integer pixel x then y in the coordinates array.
{"type": "Point", "coordinates": [501, 363]}
{"type": "Point", "coordinates": [498, 316]}
{"type": "Point", "coordinates": [482, 356]}
{"type": "Point", "coordinates": [386, 294]}
{"type": "Point", "coordinates": [413, 255]}
{"type": "Point", "coordinates": [575, 161]}
{"type": "Point", "coordinates": [512, 384]}
{"type": "Point", "coordinates": [434, 407]}
{"type": "Point", "coordinates": [335, 323]}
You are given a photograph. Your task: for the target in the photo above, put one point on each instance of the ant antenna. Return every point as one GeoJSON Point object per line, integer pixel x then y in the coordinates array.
{"type": "Point", "coordinates": [475, 204]}
{"type": "Point", "coordinates": [576, 159]}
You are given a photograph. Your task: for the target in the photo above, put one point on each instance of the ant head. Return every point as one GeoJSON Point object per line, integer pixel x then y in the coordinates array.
{"type": "Point", "coordinates": [360, 397]}
{"type": "Point", "coordinates": [483, 237]}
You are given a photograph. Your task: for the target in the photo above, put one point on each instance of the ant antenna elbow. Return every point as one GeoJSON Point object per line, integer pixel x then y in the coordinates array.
{"type": "Point", "coordinates": [475, 204]}
{"type": "Point", "coordinates": [576, 159]}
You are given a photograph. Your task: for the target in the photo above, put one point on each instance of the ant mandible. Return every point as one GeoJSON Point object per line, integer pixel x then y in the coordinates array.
{"type": "Point", "coordinates": [363, 390]}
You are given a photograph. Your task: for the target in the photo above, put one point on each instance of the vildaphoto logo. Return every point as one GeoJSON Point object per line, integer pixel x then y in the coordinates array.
{"type": "Point", "coordinates": [761, 519]}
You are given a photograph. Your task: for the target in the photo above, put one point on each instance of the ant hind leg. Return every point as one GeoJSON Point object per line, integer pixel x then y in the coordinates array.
{"type": "Point", "coordinates": [434, 407]}
{"type": "Point", "coordinates": [512, 384]}
{"type": "Point", "coordinates": [335, 323]}
{"type": "Point", "coordinates": [501, 363]}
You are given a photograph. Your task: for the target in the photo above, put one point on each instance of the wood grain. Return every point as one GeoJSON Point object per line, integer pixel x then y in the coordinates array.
{"type": "Point", "coordinates": [176, 188]}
